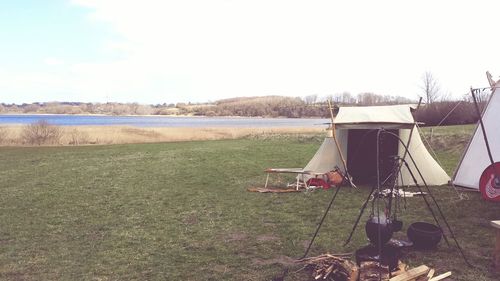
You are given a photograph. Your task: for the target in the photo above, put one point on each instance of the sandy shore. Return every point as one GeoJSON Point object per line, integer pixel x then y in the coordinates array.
{"type": "Point", "coordinates": [84, 135]}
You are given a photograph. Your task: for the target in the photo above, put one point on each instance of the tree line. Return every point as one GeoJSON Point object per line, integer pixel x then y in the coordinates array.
{"type": "Point", "coordinates": [266, 106]}
{"type": "Point", "coordinates": [443, 112]}
{"type": "Point", "coordinates": [437, 109]}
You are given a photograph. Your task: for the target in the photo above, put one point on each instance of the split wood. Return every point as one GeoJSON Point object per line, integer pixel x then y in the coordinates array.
{"type": "Point", "coordinates": [440, 277]}
{"type": "Point", "coordinates": [332, 267]}
{"type": "Point", "coordinates": [412, 274]}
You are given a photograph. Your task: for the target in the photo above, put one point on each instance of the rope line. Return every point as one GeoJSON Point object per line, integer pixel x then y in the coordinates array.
{"type": "Point", "coordinates": [451, 111]}
{"type": "Point", "coordinates": [460, 195]}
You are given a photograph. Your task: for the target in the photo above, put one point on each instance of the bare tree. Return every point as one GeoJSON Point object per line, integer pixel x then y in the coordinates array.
{"type": "Point", "coordinates": [369, 99]}
{"type": "Point", "coordinates": [430, 87]}
{"type": "Point", "coordinates": [311, 99]}
{"type": "Point", "coordinates": [347, 98]}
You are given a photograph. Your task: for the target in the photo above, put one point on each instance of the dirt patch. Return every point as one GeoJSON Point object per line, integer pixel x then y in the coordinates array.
{"type": "Point", "coordinates": [220, 268]}
{"type": "Point", "coordinates": [267, 237]}
{"type": "Point", "coordinates": [237, 236]}
{"type": "Point", "coordinates": [191, 219]}
{"type": "Point", "coordinates": [96, 235]}
{"type": "Point", "coordinates": [5, 241]}
{"type": "Point", "coordinates": [14, 275]}
{"type": "Point", "coordinates": [283, 260]}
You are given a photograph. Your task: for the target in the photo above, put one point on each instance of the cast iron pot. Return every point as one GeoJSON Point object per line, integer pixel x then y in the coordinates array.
{"type": "Point", "coordinates": [424, 235]}
{"type": "Point", "coordinates": [372, 230]}
{"type": "Point", "coordinates": [390, 255]}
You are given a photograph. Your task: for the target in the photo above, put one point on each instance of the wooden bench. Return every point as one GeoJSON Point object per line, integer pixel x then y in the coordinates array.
{"type": "Point", "coordinates": [496, 253]}
{"type": "Point", "coordinates": [298, 171]}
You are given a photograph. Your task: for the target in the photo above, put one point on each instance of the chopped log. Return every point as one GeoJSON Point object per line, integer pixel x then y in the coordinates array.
{"type": "Point", "coordinates": [411, 274]}
{"type": "Point", "coordinates": [354, 274]}
{"type": "Point", "coordinates": [431, 273]}
{"type": "Point", "coordinates": [440, 277]}
{"type": "Point", "coordinates": [400, 269]}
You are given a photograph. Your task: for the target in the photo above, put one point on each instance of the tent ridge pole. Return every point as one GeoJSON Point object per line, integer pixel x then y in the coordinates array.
{"type": "Point", "coordinates": [334, 135]}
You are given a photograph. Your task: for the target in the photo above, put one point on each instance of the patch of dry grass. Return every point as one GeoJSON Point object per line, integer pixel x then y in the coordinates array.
{"type": "Point", "coordinates": [84, 135]}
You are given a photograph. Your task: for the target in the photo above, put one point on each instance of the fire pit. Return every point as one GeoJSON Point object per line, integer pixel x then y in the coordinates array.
{"type": "Point", "coordinates": [390, 255]}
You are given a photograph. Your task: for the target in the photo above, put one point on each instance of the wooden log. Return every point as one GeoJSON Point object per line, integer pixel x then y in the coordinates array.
{"type": "Point", "coordinates": [331, 267]}
{"type": "Point", "coordinates": [400, 269]}
{"type": "Point", "coordinates": [328, 271]}
{"type": "Point", "coordinates": [430, 274]}
{"type": "Point", "coordinates": [354, 274]}
{"type": "Point", "coordinates": [441, 277]}
{"type": "Point", "coordinates": [411, 274]}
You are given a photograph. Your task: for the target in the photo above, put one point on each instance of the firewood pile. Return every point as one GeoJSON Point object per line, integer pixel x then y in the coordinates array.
{"type": "Point", "coordinates": [332, 267]}
{"type": "Point", "coordinates": [340, 268]}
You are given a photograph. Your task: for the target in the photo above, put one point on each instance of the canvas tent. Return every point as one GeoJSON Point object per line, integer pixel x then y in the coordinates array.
{"type": "Point", "coordinates": [356, 132]}
{"type": "Point", "coordinates": [475, 158]}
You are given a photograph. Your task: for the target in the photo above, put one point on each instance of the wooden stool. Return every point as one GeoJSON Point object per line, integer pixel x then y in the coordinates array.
{"type": "Point", "coordinates": [496, 253]}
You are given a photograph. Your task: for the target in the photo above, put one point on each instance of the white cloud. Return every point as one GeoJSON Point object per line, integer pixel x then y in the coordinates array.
{"type": "Point", "coordinates": [195, 50]}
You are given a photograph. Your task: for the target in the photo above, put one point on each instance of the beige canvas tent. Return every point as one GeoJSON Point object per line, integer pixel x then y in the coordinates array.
{"type": "Point", "coordinates": [475, 158]}
{"type": "Point", "coordinates": [356, 132]}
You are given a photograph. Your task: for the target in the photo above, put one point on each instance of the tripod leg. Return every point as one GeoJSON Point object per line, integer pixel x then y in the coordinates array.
{"type": "Point", "coordinates": [442, 216]}
{"type": "Point", "coordinates": [361, 211]}
{"type": "Point", "coordinates": [435, 202]}
{"type": "Point", "coordinates": [426, 201]}
{"type": "Point", "coordinates": [321, 222]}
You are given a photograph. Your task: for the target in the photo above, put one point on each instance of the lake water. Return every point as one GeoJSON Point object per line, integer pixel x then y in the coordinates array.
{"type": "Point", "coordinates": [160, 121]}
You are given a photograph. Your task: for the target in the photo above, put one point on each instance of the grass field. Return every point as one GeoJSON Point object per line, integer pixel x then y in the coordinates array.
{"type": "Point", "coordinates": [180, 211]}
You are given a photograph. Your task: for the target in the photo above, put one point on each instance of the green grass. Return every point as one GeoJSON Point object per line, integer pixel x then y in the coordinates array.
{"type": "Point", "coordinates": [180, 211]}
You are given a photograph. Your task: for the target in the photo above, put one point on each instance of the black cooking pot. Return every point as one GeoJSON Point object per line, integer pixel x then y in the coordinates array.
{"type": "Point", "coordinates": [379, 225]}
{"type": "Point", "coordinates": [397, 225]}
{"type": "Point", "coordinates": [424, 235]}
{"type": "Point", "coordinates": [390, 255]}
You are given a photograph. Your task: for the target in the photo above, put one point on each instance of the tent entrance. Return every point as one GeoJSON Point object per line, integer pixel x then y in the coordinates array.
{"type": "Point", "coordinates": [362, 154]}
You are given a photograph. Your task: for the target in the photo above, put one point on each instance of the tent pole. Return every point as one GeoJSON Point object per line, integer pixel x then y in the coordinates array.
{"type": "Point", "coordinates": [483, 129]}
{"type": "Point", "coordinates": [425, 199]}
{"type": "Point", "coordinates": [361, 211]}
{"type": "Point", "coordinates": [403, 161]}
{"type": "Point", "coordinates": [344, 163]}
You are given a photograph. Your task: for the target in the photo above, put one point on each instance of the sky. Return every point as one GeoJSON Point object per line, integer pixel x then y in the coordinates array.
{"type": "Point", "coordinates": [162, 51]}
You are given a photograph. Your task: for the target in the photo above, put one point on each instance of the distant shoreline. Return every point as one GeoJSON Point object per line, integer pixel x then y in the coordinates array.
{"type": "Point", "coordinates": [156, 115]}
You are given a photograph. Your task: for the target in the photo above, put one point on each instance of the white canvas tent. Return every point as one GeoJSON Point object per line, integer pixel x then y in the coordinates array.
{"type": "Point", "coordinates": [356, 130]}
{"type": "Point", "coordinates": [475, 158]}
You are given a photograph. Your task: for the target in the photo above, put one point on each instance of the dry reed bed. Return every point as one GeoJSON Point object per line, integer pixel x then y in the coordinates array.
{"type": "Point", "coordinates": [11, 135]}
